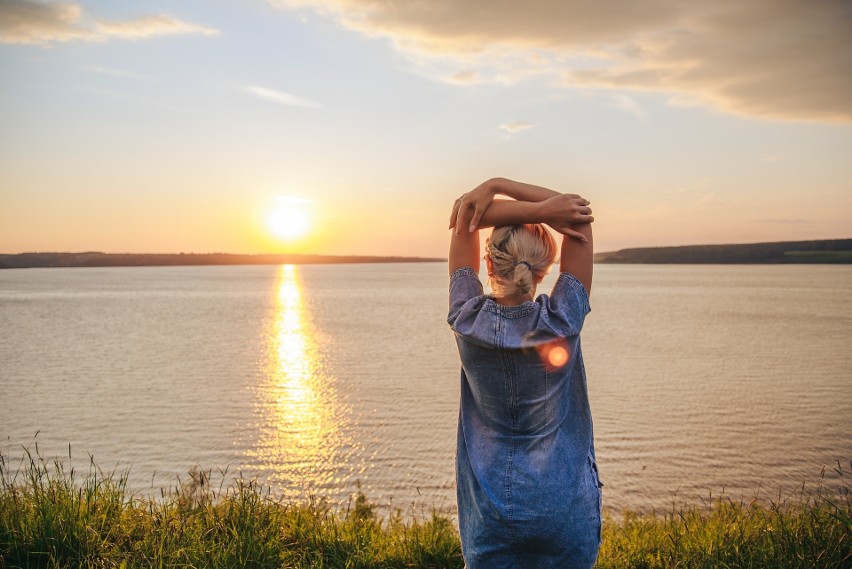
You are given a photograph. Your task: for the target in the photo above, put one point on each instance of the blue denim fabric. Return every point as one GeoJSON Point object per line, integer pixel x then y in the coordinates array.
{"type": "Point", "coordinates": [528, 490]}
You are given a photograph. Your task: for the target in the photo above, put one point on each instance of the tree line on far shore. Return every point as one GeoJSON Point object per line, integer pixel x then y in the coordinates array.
{"type": "Point", "coordinates": [834, 251]}
{"type": "Point", "coordinates": [98, 259]}
{"type": "Point", "coordinates": [822, 251]}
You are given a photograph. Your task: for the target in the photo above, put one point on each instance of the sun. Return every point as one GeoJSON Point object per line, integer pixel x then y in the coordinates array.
{"type": "Point", "coordinates": [289, 219]}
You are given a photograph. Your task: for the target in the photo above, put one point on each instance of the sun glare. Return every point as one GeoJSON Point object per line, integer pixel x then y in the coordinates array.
{"type": "Point", "coordinates": [289, 219]}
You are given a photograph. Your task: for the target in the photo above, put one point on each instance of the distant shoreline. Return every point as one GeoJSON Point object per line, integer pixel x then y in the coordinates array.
{"type": "Point", "coordinates": [823, 251]}
{"type": "Point", "coordinates": [97, 259]}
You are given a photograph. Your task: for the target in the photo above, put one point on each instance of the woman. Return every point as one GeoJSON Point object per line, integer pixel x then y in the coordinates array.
{"type": "Point", "coordinates": [528, 489]}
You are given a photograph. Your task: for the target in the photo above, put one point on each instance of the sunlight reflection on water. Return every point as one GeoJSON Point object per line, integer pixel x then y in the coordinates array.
{"type": "Point", "coordinates": [300, 431]}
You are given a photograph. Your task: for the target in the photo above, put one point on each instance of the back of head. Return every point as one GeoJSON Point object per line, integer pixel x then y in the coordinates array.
{"type": "Point", "coordinates": [520, 257]}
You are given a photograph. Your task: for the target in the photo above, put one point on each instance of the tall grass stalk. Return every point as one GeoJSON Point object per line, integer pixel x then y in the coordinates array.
{"type": "Point", "coordinates": [53, 517]}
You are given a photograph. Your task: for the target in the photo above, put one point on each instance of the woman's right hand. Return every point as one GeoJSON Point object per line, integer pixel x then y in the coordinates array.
{"type": "Point", "coordinates": [562, 211]}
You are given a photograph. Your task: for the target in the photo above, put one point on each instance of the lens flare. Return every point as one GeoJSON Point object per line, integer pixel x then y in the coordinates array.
{"type": "Point", "coordinates": [555, 354]}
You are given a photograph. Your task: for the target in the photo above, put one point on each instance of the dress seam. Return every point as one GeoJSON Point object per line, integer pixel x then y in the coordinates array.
{"type": "Point", "coordinates": [509, 369]}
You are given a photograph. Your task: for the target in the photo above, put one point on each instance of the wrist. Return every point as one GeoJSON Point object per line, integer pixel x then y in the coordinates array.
{"type": "Point", "coordinates": [495, 186]}
{"type": "Point", "coordinates": [542, 212]}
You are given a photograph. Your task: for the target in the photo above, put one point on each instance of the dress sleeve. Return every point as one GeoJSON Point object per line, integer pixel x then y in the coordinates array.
{"type": "Point", "coordinates": [464, 285]}
{"type": "Point", "coordinates": [569, 304]}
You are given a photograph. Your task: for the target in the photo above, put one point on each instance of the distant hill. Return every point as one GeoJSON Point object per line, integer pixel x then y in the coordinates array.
{"type": "Point", "coordinates": [96, 259]}
{"type": "Point", "coordinates": [823, 251]}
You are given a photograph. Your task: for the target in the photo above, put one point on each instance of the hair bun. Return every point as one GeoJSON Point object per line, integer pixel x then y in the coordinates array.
{"type": "Point", "coordinates": [520, 256]}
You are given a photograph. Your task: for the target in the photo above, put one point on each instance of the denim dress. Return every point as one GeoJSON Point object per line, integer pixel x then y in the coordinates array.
{"type": "Point", "coordinates": [528, 490]}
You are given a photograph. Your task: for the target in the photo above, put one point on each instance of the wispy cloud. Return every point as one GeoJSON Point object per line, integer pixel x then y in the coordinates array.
{"type": "Point", "coordinates": [516, 126]}
{"type": "Point", "coordinates": [629, 105]}
{"type": "Point", "coordinates": [465, 77]}
{"type": "Point", "coordinates": [150, 26]}
{"type": "Point", "coordinates": [776, 59]}
{"type": "Point", "coordinates": [280, 97]}
{"type": "Point", "coordinates": [43, 23]}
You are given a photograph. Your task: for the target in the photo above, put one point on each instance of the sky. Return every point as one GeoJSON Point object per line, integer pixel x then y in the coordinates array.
{"type": "Point", "coordinates": [193, 125]}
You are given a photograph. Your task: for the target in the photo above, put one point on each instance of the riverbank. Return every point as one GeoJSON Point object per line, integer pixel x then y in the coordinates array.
{"type": "Point", "coordinates": [98, 259]}
{"type": "Point", "coordinates": [824, 251]}
{"type": "Point", "coordinates": [51, 517]}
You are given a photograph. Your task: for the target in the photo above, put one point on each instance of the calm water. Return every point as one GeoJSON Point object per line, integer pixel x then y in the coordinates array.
{"type": "Point", "coordinates": [702, 379]}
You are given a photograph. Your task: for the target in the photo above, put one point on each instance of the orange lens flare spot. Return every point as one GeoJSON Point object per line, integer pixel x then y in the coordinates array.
{"type": "Point", "coordinates": [557, 356]}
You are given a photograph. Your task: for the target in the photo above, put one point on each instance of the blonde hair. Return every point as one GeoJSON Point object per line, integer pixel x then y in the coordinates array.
{"type": "Point", "coordinates": [520, 257]}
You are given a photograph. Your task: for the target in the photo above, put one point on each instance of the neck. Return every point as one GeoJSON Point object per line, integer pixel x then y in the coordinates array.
{"type": "Point", "coordinates": [514, 300]}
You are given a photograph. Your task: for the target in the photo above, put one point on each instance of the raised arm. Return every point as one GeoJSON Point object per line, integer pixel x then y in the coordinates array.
{"type": "Point", "coordinates": [481, 197]}
{"type": "Point", "coordinates": [519, 190]}
{"type": "Point", "coordinates": [534, 204]}
{"type": "Point", "coordinates": [562, 212]}
{"type": "Point", "coordinates": [577, 256]}
{"type": "Point", "coordinates": [464, 250]}
{"type": "Point", "coordinates": [464, 245]}
{"type": "Point", "coordinates": [568, 214]}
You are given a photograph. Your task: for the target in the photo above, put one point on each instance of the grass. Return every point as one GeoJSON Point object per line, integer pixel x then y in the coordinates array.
{"type": "Point", "coordinates": [53, 517]}
{"type": "Point", "coordinates": [805, 530]}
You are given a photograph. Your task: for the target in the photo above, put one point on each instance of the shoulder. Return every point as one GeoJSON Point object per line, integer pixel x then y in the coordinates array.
{"type": "Point", "coordinates": [568, 294]}
{"type": "Point", "coordinates": [566, 283]}
{"type": "Point", "coordinates": [563, 311]}
{"type": "Point", "coordinates": [464, 273]}
{"type": "Point", "coordinates": [465, 288]}
{"type": "Point", "coordinates": [464, 284]}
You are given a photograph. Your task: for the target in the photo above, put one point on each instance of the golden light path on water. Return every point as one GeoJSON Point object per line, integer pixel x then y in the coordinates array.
{"type": "Point", "coordinates": [300, 434]}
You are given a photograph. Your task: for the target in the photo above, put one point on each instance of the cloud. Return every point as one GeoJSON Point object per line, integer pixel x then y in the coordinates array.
{"type": "Point", "coordinates": [27, 21]}
{"type": "Point", "coordinates": [465, 76]}
{"type": "Point", "coordinates": [629, 105]}
{"type": "Point", "coordinates": [516, 126]}
{"type": "Point", "coordinates": [775, 59]}
{"type": "Point", "coordinates": [280, 97]}
{"type": "Point", "coordinates": [43, 23]}
{"type": "Point", "coordinates": [151, 26]}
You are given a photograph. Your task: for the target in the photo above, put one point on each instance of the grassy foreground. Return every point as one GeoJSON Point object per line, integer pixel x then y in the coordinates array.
{"type": "Point", "coordinates": [50, 517]}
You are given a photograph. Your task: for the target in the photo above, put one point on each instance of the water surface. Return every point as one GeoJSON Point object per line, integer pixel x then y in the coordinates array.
{"type": "Point", "coordinates": [319, 379]}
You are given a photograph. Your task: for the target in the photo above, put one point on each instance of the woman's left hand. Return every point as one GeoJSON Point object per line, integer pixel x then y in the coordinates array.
{"type": "Point", "coordinates": [479, 199]}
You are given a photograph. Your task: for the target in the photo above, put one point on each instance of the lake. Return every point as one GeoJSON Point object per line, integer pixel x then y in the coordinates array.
{"type": "Point", "coordinates": [320, 379]}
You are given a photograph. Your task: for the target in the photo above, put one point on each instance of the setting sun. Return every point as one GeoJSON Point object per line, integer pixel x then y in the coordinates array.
{"type": "Point", "coordinates": [289, 219]}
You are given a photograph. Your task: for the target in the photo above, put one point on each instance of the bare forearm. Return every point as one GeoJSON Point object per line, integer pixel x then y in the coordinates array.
{"type": "Point", "coordinates": [464, 250]}
{"type": "Point", "coordinates": [577, 256]}
{"type": "Point", "coordinates": [534, 204]}
{"type": "Point", "coordinates": [511, 212]}
{"type": "Point", "coordinates": [520, 191]}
